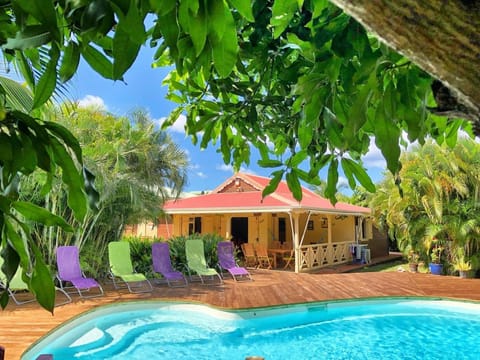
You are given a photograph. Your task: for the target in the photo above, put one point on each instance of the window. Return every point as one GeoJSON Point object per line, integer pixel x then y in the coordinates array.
{"type": "Point", "coordinates": [194, 225]}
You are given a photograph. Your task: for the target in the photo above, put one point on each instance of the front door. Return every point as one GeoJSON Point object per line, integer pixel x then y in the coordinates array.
{"type": "Point", "coordinates": [239, 228]}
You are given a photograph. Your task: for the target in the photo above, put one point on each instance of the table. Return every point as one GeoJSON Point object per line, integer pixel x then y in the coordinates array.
{"type": "Point", "coordinates": [275, 252]}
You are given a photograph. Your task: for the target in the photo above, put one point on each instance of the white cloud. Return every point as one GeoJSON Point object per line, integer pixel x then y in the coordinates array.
{"type": "Point", "coordinates": [201, 175]}
{"type": "Point", "coordinates": [342, 181]}
{"type": "Point", "coordinates": [224, 167]}
{"type": "Point", "coordinates": [374, 158]}
{"type": "Point", "coordinates": [92, 101]}
{"type": "Point", "coordinates": [178, 126]}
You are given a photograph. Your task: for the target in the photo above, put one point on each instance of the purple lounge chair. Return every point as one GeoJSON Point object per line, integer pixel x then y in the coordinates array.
{"type": "Point", "coordinates": [163, 265]}
{"type": "Point", "coordinates": [69, 271]}
{"type": "Point", "coordinates": [226, 260]}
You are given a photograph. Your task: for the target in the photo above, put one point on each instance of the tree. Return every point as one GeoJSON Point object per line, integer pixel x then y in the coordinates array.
{"type": "Point", "coordinates": [439, 201]}
{"type": "Point", "coordinates": [137, 168]}
{"type": "Point", "coordinates": [301, 75]}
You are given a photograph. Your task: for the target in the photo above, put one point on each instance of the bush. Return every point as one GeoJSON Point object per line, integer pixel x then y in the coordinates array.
{"type": "Point", "coordinates": [141, 252]}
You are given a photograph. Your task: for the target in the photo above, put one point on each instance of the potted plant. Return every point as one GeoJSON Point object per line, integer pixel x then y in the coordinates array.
{"type": "Point", "coordinates": [461, 264]}
{"type": "Point", "coordinates": [436, 266]}
{"type": "Point", "coordinates": [413, 261]}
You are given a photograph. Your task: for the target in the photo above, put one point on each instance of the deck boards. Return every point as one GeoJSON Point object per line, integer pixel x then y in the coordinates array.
{"type": "Point", "coordinates": [20, 326]}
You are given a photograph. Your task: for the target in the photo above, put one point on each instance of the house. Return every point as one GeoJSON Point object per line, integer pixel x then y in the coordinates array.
{"type": "Point", "coordinates": [321, 234]}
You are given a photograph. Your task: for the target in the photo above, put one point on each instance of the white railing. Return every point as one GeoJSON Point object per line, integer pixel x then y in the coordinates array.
{"type": "Point", "coordinates": [321, 255]}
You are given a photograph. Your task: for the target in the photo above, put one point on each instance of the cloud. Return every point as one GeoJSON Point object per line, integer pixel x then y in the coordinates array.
{"type": "Point", "coordinates": [92, 101]}
{"type": "Point", "coordinates": [201, 175]}
{"type": "Point", "coordinates": [224, 167]}
{"type": "Point", "coordinates": [178, 126]}
{"type": "Point", "coordinates": [374, 158]}
{"type": "Point", "coordinates": [229, 168]}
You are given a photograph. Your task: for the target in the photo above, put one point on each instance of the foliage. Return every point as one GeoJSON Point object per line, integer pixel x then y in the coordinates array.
{"type": "Point", "coordinates": [437, 208]}
{"type": "Point", "coordinates": [141, 254]}
{"type": "Point", "coordinates": [300, 75]}
{"type": "Point", "coordinates": [137, 168]}
{"type": "Point", "coordinates": [413, 257]}
{"type": "Point", "coordinates": [141, 251]}
{"type": "Point", "coordinates": [29, 145]}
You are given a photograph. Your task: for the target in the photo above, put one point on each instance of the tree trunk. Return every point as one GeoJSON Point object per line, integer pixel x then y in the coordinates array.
{"type": "Point", "coordinates": [441, 36]}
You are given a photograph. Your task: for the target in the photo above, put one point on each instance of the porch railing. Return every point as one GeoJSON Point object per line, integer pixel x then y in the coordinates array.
{"type": "Point", "coordinates": [317, 256]}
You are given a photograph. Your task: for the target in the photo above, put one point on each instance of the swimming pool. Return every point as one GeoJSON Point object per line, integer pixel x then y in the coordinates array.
{"type": "Point", "coordinates": [365, 329]}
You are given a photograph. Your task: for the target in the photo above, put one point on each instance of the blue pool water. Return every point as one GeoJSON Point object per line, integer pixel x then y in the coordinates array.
{"type": "Point", "coordinates": [369, 329]}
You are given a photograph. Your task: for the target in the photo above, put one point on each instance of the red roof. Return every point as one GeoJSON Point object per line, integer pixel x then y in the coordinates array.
{"type": "Point", "coordinates": [247, 197]}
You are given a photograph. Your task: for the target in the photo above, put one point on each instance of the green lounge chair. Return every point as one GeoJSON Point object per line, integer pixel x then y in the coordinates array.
{"type": "Point", "coordinates": [121, 268]}
{"type": "Point", "coordinates": [17, 286]}
{"type": "Point", "coordinates": [196, 262]}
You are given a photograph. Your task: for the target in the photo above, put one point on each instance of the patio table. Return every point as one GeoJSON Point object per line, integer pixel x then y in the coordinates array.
{"type": "Point", "coordinates": [276, 252]}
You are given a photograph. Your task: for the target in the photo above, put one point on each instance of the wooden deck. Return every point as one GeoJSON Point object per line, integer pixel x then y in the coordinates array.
{"type": "Point", "coordinates": [20, 326]}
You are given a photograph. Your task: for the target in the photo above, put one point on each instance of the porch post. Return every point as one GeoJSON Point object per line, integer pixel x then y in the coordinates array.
{"type": "Point", "coordinates": [329, 240]}
{"type": "Point", "coordinates": [228, 227]}
{"type": "Point", "coordinates": [296, 240]}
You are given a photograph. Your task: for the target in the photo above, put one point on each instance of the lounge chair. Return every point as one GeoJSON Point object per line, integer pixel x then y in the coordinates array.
{"type": "Point", "coordinates": [249, 255]}
{"type": "Point", "coordinates": [226, 260]}
{"type": "Point", "coordinates": [17, 286]}
{"type": "Point", "coordinates": [196, 262]}
{"type": "Point", "coordinates": [264, 261]}
{"type": "Point", "coordinates": [163, 265]}
{"type": "Point", "coordinates": [121, 269]}
{"type": "Point", "coordinates": [69, 271]}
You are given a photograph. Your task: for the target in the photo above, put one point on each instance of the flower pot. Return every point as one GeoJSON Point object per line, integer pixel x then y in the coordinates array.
{"type": "Point", "coordinates": [413, 267]}
{"type": "Point", "coordinates": [436, 269]}
{"type": "Point", "coordinates": [463, 274]}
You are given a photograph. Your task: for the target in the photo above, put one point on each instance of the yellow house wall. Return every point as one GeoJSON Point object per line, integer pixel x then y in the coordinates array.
{"type": "Point", "coordinates": [264, 227]}
{"type": "Point", "coordinates": [343, 229]}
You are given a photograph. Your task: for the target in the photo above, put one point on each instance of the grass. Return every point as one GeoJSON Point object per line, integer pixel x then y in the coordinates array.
{"type": "Point", "coordinates": [397, 265]}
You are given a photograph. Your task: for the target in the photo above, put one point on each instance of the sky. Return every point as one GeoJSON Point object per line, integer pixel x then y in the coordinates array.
{"type": "Point", "coordinates": [142, 88]}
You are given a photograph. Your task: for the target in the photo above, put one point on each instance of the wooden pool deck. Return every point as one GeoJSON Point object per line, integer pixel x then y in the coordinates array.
{"type": "Point", "coordinates": [20, 326]}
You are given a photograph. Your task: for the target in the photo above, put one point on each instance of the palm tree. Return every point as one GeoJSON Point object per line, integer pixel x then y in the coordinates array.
{"type": "Point", "coordinates": [437, 199]}
{"type": "Point", "coordinates": [137, 168]}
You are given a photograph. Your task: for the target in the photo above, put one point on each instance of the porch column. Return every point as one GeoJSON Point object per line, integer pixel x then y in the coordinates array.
{"type": "Point", "coordinates": [329, 240]}
{"type": "Point", "coordinates": [296, 240]}
{"type": "Point", "coordinates": [228, 227]}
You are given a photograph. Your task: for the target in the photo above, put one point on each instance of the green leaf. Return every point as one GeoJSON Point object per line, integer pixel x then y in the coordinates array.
{"type": "Point", "coordinates": [19, 244]}
{"type": "Point", "coordinates": [97, 61]}
{"type": "Point", "coordinates": [225, 51]}
{"type": "Point", "coordinates": [18, 96]}
{"type": "Point", "coordinates": [360, 173]}
{"type": "Point", "coordinates": [30, 37]}
{"type": "Point", "coordinates": [269, 163]}
{"type": "Point", "coordinates": [273, 184]}
{"type": "Point", "coordinates": [48, 81]}
{"type": "Point", "coordinates": [6, 148]}
{"type": "Point", "coordinates": [42, 282]}
{"type": "Point", "coordinates": [297, 158]}
{"type": "Point", "coordinates": [294, 185]}
{"type": "Point", "coordinates": [332, 180]}
{"type": "Point", "coordinates": [196, 25]}
{"type": "Point", "coordinates": [387, 136]}
{"type": "Point", "coordinates": [38, 214]}
{"type": "Point", "coordinates": [70, 61]}
{"type": "Point", "coordinates": [66, 136]}
{"type": "Point", "coordinates": [282, 13]}
{"type": "Point", "coordinates": [348, 173]}
{"type": "Point", "coordinates": [72, 178]}
{"type": "Point", "coordinates": [129, 36]}
{"type": "Point", "coordinates": [42, 10]}
{"type": "Point", "coordinates": [244, 8]}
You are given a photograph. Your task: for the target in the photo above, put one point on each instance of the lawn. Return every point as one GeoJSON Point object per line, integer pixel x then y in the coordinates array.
{"type": "Point", "coordinates": [397, 265]}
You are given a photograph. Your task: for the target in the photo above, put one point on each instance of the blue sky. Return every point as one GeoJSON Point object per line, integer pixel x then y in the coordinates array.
{"type": "Point", "coordinates": [143, 88]}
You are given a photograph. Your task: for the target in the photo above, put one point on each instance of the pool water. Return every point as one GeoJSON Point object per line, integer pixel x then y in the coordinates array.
{"type": "Point", "coordinates": [369, 329]}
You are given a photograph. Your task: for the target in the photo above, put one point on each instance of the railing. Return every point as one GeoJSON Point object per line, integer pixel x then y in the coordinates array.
{"type": "Point", "coordinates": [321, 255]}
